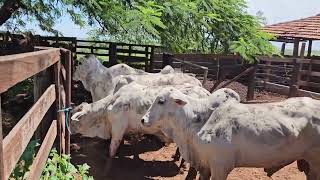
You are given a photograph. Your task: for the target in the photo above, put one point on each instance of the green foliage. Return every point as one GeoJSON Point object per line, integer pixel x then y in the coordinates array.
{"type": "Point", "coordinates": [59, 168]}
{"type": "Point", "coordinates": [208, 26]}
{"type": "Point", "coordinates": [25, 86]}
{"type": "Point", "coordinates": [22, 168]}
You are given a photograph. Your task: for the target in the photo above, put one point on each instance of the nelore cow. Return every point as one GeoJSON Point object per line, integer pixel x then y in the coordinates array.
{"type": "Point", "coordinates": [121, 113]}
{"type": "Point", "coordinates": [100, 80]}
{"type": "Point", "coordinates": [240, 135]}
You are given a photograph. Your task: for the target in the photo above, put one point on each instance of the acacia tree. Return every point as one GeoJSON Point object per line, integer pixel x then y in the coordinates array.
{"type": "Point", "coordinates": [179, 25]}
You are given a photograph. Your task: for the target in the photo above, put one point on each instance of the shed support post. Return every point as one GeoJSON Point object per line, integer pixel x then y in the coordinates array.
{"type": "Point", "coordinates": [309, 49]}
{"type": "Point", "coordinates": [302, 50]}
{"type": "Point", "coordinates": [283, 48]}
{"type": "Point", "coordinates": [296, 47]}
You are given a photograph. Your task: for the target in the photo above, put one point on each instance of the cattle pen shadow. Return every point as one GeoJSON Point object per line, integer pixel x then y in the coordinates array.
{"type": "Point", "coordinates": [94, 152]}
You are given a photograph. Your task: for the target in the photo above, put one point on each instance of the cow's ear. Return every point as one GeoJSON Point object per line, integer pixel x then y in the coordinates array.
{"type": "Point", "coordinates": [180, 102]}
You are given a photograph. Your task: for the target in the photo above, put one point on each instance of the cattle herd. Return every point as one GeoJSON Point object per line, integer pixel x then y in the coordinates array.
{"type": "Point", "coordinates": [213, 132]}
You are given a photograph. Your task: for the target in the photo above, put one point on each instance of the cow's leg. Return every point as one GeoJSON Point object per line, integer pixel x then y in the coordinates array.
{"type": "Point", "coordinates": [272, 170]}
{"type": "Point", "coordinates": [177, 155]}
{"type": "Point", "coordinates": [192, 174]}
{"type": "Point", "coordinates": [117, 133]}
{"type": "Point", "coordinates": [116, 139]}
{"type": "Point", "coordinates": [204, 174]}
{"type": "Point", "coordinates": [314, 170]}
{"type": "Point", "coordinates": [220, 173]}
{"type": "Point", "coordinates": [134, 141]}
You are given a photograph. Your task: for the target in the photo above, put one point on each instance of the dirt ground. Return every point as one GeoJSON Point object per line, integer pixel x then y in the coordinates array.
{"type": "Point", "coordinates": [156, 160]}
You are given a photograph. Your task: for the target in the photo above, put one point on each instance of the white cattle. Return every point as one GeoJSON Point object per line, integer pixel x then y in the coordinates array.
{"type": "Point", "coordinates": [101, 81]}
{"type": "Point", "coordinates": [240, 135]}
{"type": "Point", "coordinates": [121, 113]}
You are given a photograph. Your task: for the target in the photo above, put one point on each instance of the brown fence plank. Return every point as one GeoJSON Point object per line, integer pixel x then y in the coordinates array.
{"type": "Point", "coordinates": [43, 153]}
{"type": "Point", "coordinates": [309, 84]}
{"type": "Point", "coordinates": [17, 140]}
{"type": "Point", "coordinates": [92, 47]}
{"type": "Point", "coordinates": [272, 76]}
{"type": "Point", "coordinates": [88, 53]}
{"type": "Point", "coordinates": [132, 51]}
{"type": "Point", "coordinates": [311, 73]}
{"type": "Point", "coordinates": [16, 68]}
{"type": "Point", "coordinates": [132, 58]}
{"type": "Point", "coordinates": [276, 59]}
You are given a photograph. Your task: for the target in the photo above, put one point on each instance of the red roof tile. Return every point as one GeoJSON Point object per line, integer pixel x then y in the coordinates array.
{"type": "Point", "coordinates": [306, 28]}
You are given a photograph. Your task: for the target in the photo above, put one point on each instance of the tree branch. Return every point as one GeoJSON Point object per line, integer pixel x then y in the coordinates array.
{"type": "Point", "coordinates": [8, 8]}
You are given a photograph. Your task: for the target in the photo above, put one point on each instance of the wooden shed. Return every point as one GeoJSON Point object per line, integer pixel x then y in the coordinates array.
{"type": "Point", "coordinates": [296, 31]}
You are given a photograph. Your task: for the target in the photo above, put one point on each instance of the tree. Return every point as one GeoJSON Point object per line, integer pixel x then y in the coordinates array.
{"type": "Point", "coordinates": [216, 26]}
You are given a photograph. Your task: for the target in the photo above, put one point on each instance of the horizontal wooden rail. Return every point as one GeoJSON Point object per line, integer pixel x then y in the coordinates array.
{"type": "Point", "coordinates": [311, 73]}
{"type": "Point", "coordinates": [308, 61]}
{"type": "Point", "coordinates": [132, 58]}
{"type": "Point", "coordinates": [272, 76]}
{"type": "Point", "coordinates": [16, 68]}
{"type": "Point", "coordinates": [275, 67]}
{"type": "Point", "coordinates": [205, 69]}
{"type": "Point", "coordinates": [309, 84]}
{"type": "Point", "coordinates": [133, 51]}
{"type": "Point", "coordinates": [92, 47]}
{"type": "Point", "coordinates": [277, 59]}
{"type": "Point", "coordinates": [284, 90]}
{"type": "Point", "coordinates": [43, 153]}
{"type": "Point", "coordinates": [190, 64]}
{"type": "Point", "coordinates": [88, 53]}
{"type": "Point", "coordinates": [17, 140]}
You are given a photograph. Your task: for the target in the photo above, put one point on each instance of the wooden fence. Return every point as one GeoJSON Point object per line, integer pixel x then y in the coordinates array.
{"type": "Point", "coordinates": [139, 56]}
{"type": "Point", "coordinates": [16, 68]}
{"type": "Point", "coordinates": [219, 66]}
{"type": "Point", "coordinates": [291, 76]}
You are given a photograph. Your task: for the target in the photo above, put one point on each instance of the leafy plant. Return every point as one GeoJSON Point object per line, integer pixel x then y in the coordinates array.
{"type": "Point", "coordinates": [22, 168]}
{"type": "Point", "coordinates": [59, 168]}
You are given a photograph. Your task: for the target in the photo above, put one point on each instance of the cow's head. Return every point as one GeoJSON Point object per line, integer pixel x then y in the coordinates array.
{"type": "Point", "coordinates": [78, 117]}
{"type": "Point", "coordinates": [223, 95]}
{"type": "Point", "coordinates": [87, 64]}
{"type": "Point", "coordinates": [168, 102]}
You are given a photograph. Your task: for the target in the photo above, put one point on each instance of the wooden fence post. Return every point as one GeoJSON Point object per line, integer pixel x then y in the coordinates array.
{"type": "Point", "coordinates": [112, 54]}
{"type": "Point", "coordinates": [268, 71]}
{"type": "Point", "coordinates": [68, 62]}
{"type": "Point", "coordinates": [205, 76]}
{"type": "Point", "coordinates": [57, 69]}
{"type": "Point", "coordinates": [166, 59]}
{"type": "Point", "coordinates": [151, 65]}
{"type": "Point", "coordinates": [252, 83]}
{"type": "Point", "coordinates": [146, 68]}
{"type": "Point", "coordinates": [1, 147]}
{"type": "Point", "coordinates": [294, 86]}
